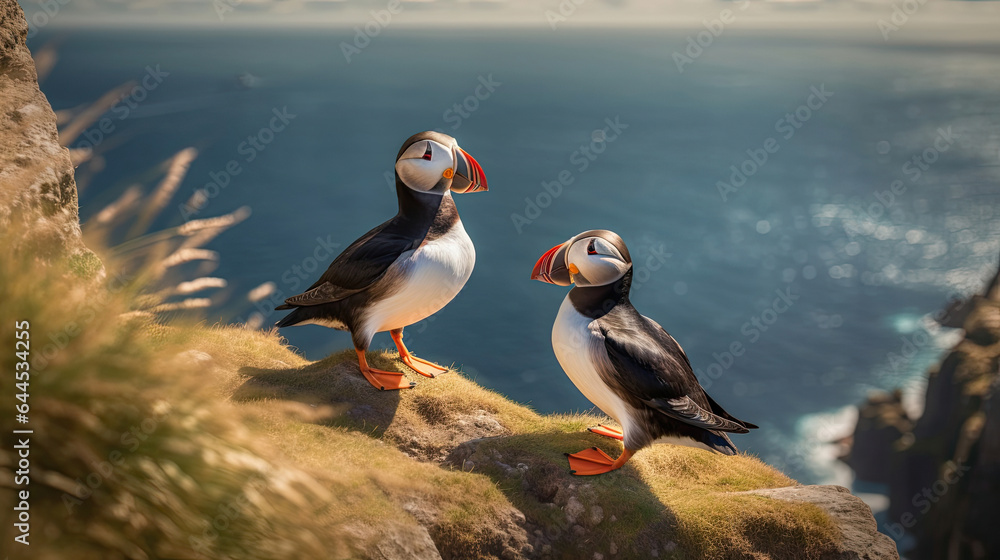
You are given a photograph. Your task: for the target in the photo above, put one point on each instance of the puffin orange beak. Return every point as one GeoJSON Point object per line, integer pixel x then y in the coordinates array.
{"type": "Point", "coordinates": [469, 176]}
{"type": "Point", "coordinates": [551, 267]}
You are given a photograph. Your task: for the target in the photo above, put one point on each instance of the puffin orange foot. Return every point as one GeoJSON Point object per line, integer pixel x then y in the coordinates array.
{"type": "Point", "coordinates": [381, 379]}
{"type": "Point", "coordinates": [423, 367]}
{"type": "Point", "coordinates": [594, 461]}
{"type": "Point", "coordinates": [608, 431]}
{"type": "Point", "coordinates": [387, 380]}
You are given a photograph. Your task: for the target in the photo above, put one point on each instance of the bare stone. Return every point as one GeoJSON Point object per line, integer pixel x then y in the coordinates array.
{"type": "Point", "coordinates": [596, 514]}
{"type": "Point", "coordinates": [853, 517]}
{"type": "Point", "coordinates": [574, 509]}
{"type": "Point", "coordinates": [402, 542]}
{"type": "Point", "coordinates": [37, 188]}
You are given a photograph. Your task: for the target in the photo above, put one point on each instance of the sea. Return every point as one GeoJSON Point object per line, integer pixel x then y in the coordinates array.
{"type": "Point", "coordinates": [798, 206]}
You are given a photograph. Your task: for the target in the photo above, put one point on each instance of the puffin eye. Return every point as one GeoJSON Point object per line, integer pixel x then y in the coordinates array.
{"type": "Point", "coordinates": [592, 248]}
{"type": "Point", "coordinates": [428, 153]}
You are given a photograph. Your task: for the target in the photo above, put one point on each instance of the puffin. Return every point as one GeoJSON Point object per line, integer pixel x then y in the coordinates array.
{"type": "Point", "coordinates": [623, 361]}
{"type": "Point", "coordinates": [405, 269]}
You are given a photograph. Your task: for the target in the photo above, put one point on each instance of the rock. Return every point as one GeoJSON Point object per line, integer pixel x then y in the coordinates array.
{"type": "Point", "coordinates": [881, 422]}
{"type": "Point", "coordinates": [574, 509]}
{"type": "Point", "coordinates": [506, 539]}
{"type": "Point", "coordinates": [860, 537]}
{"type": "Point", "coordinates": [37, 188]}
{"type": "Point", "coordinates": [596, 514]}
{"type": "Point", "coordinates": [442, 431]}
{"type": "Point", "coordinates": [975, 518]}
{"type": "Point", "coordinates": [951, 451]}
{"type": "Point", "coordinates": [571, 536]}
{"type": "Point", "coordinates": [405, 543]}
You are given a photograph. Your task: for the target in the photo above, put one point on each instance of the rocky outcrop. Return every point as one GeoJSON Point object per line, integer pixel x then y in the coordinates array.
{"type": "Point", "coordinates": [882, 422]}
{"type": "Point", "coordinates": [860, 538]}
{"type": "Point", "coordinates": [713, 506]}
{"type": "Point", "coordinates": [942, 470]}
{"type": "Point", "coordinates": [37, 190]}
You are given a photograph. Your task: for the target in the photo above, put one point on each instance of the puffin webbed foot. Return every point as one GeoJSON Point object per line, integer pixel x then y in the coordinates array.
{"type": "Point", "coordinates": [608, 431]}
{"type": "Point", "coordinates": [419, 365]}
{"type": "Point", "coordinates": [381, 379]}
{"type": "Point", "coordinates": [594, 461]}
{"type": "Point", "coordinates": [423, 367]}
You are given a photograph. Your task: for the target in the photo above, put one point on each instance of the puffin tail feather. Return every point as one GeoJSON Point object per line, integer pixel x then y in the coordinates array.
{"type": "Point", "coordinates": [293, 318]}
{"type": "Point", "coordinates": [721, 443]}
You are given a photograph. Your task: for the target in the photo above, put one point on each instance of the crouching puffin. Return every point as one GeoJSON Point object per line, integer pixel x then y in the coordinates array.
{"type": "Point", "coordinates": [406, 269]}
{"type": "Point", "coordinates": [624, 362]}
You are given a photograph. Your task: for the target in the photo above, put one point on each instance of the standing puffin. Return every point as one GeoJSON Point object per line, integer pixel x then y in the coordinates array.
{"type": "Point", "coordinates": [406, 269]}
{"type": "Point", "coordinates": [624, 362]}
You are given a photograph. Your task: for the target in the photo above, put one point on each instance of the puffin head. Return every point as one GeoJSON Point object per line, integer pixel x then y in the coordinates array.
{"type": "Point", "coordinates": [593, 258]}
{"type": "Point", "coordinates": [433, 162]}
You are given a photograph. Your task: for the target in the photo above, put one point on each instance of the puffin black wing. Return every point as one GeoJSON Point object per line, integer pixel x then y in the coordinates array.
{"type": "Point", "coordinates": [722, 412]}
{"type": "Point", "coordinates": [653, 368]}
{"type": "Point", "coordinates": [358, 267]}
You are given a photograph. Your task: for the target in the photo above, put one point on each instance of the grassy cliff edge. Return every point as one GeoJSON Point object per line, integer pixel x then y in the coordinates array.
{"type": "Point", "coordinates": [161, 440]}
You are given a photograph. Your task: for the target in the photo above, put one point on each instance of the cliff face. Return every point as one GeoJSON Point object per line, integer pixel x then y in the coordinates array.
{"type": "Point", "coordinates": [37, 190]}
{"type": "Point", "coordinates": [943, 470]}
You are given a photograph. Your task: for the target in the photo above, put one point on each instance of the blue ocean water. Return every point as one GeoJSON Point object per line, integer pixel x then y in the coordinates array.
{"type": "Point", "coordinates": [795, 283]}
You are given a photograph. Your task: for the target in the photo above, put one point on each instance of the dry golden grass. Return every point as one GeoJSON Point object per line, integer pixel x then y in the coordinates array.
{"type": "Point", "coordinates": [252, 451]}
{"type": "Point", "coordinates": [135, 455]}
{"type": "Point", "coordinates": [666, 494]}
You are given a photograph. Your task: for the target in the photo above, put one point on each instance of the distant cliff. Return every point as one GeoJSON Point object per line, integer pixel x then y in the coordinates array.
{"type": "Point", "coordinates": [943, 469]}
